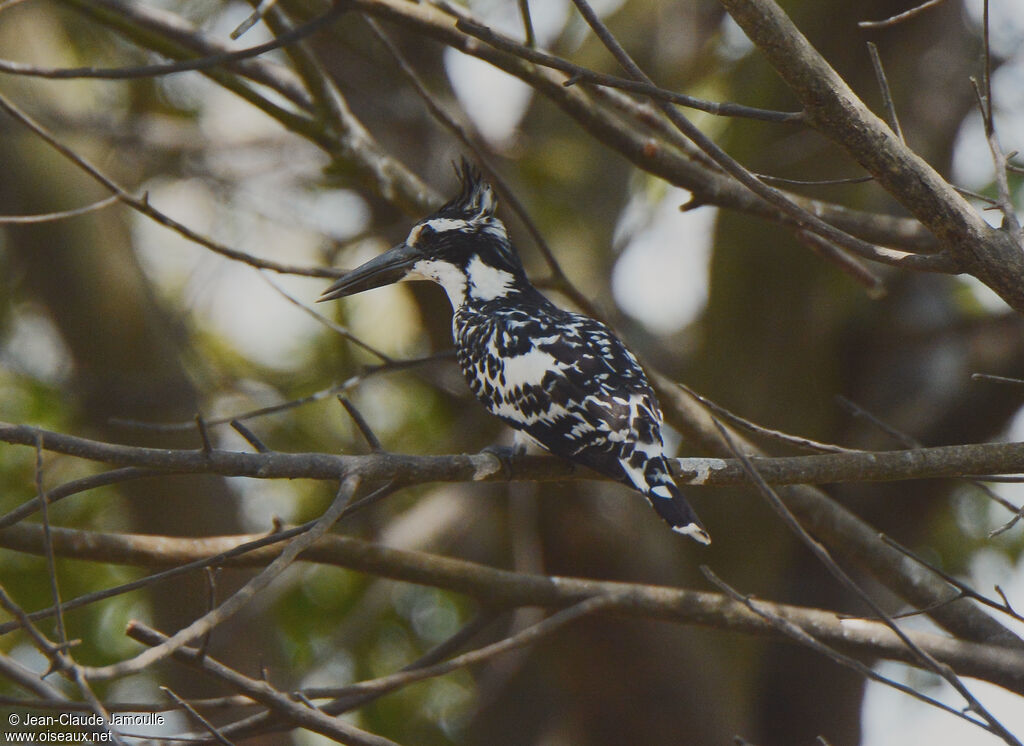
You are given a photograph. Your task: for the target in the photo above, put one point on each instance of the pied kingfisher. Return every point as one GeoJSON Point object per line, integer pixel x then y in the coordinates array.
{"type": "Point", "coordinates": [562, 378]}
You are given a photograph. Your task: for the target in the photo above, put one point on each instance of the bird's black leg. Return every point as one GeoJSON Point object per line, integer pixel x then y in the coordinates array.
{"type": "Point", "coordinates": [508, 456]}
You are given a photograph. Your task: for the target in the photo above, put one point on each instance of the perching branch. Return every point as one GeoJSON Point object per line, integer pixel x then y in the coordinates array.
{"type": "Point", "coordinates": [938, 462]}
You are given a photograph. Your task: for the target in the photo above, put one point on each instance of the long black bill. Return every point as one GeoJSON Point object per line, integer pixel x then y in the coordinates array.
{"type": "Point", "coordinates": [389, 267]}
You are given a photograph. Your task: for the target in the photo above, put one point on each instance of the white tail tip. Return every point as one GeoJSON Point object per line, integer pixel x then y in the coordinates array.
{"type": "Point", "coordinates": [695, 532]}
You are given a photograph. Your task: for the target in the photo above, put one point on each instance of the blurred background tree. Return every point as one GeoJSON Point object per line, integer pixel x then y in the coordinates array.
{"type": "Point", "coordinates": [109, 323]}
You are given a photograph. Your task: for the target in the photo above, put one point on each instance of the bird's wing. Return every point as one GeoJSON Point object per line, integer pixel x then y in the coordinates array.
{"type": "Point", "coordinates": [569, 383]}
{"type": "Point", "coordinates": [574, 387]}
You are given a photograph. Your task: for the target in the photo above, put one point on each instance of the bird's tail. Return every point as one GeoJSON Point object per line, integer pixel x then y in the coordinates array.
{"type": "Point", "coordinates": [669, 502]}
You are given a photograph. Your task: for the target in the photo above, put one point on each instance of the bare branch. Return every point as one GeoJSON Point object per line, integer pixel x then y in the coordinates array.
{"type": "Point", "coordinates": [503, 589]}
{"type": "Point", "coordinates": [213, 560]}
{"type": "Point", "coordinates": [631, 138]}
{"type": "Point", "coordinates": [847, 264]}
{"type": "Point", "coordinates": [833, 109]}
{"type": "Point", "coordinates": [751, 427]}
{"type": "Point", "coordinates": [203, 63]}
{"type": "Point", "coordinates": [261, 691]}
{"type": "Point", "coordinates": [142, 205]}
{"type": "Point", "coordinates": [194, 714]}
{"type": "Point", "coordinates": [802, 218]}
{"type": "Point", "coordinates": [923, 658]}
{"type": "Point", "coordinates": [238, 599]}
{"type": "Point", "coordinates": [999, 159]}
{"type": "Point", "coordinates": [853, 466]}
{"type": "Point", "coordinates": [345, 386]}
{"type": "Point", "coordinates": [528, 636]}
{"type": "Point", "coordinates": [845, 533]}
{"type": "Point", "coordinates": [801, 636]}
{"type": "Point", "coordinates": [579, 74]}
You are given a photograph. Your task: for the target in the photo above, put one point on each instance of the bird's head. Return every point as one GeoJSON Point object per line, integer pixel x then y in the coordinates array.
{"type": "Point", "coordinates": [463, 247]}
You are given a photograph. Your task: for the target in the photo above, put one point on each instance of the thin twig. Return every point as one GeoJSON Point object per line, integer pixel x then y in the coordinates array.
{"type": "Point", "coordinates": [927, 661]}
{"type": "Point", "coordinates": [883, 85]}
{"type": "Point", "coordinates": [61, 215]}
{"type": "Point", "coordinates": [55, 654]}
{"type": "Point", "coordinates": [769, 179]}
{"type": "Point", "coordinates": [194, 714]}
{"type": "Point", "coordinates": [997, 379]}
{"type": "Point", "coordinates": [432, 657]}
{"type": "Point", "coordinates": [142, 205]}
{"type": "Point", "coordinates": [239, 598]}
{"type": "Point", "coordinates": [24, 677]}
{"type": "Point", "coordinates": [909, 442]}
{"type": "Point", "coordinates": [964, 589]}
{"type": "Point", "coordinates": [752, 427]}
{"type": "Point", "coordinates": [332, 325]}
{"type": "Point", "coordinates": [326, 98]}
{"type": "Point", "coordinates": [263, 722]}
{"type": "Point", "coordinates": [51, 563]}
{"type": "Point", "coordinates": [210, 576]}
{"type": "Point", "coordinates": [74, 487]}
{"type": "Point", "coordinates": [803, 218]}
{"type": "Point", "coordinates": [259, 690]}
{"type": "Point", "coordinates": [805, 638]}
{"type": "Point", "coordinates": [253, 18]}
{"type": "Point", "coordinates": [345, 386]}
{"type": "Point", "coordinates": [250, 437]}
{"type": "Point", "coordinates": [579, 74]}
{"type": "Point", "coordinates": [1011, 224]}
{"type": "Point", "coordinates": [900, 17]}
{"type": "Point", "coordinates": [528, 636]}
{"type": "Point", "coordinates": [202, 63]}
{"type": "Point", "coordinates": [361, 424]}
{"type": "Point", "coordinates": [528, 33]}
{"type": "Point", "coordinates": [214, 560]}
{"type": "Point", "coordinates": [204, 433]}
{"type": "Point", "coordinates": [849, 265]}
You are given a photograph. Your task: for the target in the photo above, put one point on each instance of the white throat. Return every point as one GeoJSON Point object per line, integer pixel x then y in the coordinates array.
{"type": "Point", "coordinates": [445, 274]}
{"type": "Point", "coordinates": [481, 280]}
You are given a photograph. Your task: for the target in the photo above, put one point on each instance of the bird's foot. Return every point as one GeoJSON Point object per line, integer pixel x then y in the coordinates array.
{"type": "Point", "coordinates": [508, 457]}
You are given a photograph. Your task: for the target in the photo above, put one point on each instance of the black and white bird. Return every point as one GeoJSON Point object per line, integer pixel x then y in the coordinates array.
{"type": "Point", "coordinates": [563, 379]}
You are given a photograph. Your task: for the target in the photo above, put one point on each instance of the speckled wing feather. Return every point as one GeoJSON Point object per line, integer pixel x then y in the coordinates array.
{"type": "Point", "coordinates": [569, 383]}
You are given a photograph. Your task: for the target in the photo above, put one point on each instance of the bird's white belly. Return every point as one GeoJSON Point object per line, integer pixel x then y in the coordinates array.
{"type": "Point", "coordinates": [529, 369]}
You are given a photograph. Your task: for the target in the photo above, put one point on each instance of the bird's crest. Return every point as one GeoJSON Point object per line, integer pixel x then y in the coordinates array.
{"type": "Point", "coordinates": [476, 199]}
